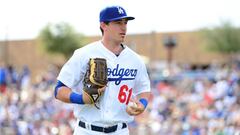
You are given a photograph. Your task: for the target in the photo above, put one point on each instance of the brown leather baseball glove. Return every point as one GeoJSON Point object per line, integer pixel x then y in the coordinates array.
{"type": "Point", "coordinates": [95, 80]}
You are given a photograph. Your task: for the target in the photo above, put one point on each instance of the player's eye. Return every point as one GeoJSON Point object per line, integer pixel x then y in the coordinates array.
{"type": "Point", "coordinates": [118, 22]}
{"type": "Point", "coordinates": [121, 22]}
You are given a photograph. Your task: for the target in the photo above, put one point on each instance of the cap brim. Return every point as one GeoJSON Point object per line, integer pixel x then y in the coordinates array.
{"type": "Point", "coordinates": [122, 17]}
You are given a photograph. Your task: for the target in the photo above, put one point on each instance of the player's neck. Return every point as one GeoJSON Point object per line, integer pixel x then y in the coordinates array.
{"type": "Point", "coordinates": [114, 47]}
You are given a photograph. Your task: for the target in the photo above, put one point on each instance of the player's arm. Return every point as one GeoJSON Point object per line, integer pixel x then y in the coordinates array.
{"type": "Point", "coordinates": [141, 104]}
{"type": "Point", "coordinates": [65, 94]}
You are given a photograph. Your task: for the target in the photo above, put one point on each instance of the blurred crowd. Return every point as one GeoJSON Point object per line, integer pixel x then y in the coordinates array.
{"type": "Point", "coordinates": [30, 108]}
{"type": "Point", "coordinates": [189, 102]}
{"type": "Point", "coordinates": [199, 102]}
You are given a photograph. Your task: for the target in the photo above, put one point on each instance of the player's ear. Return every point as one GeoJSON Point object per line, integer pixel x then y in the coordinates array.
{"type": "Point", "coordinates": [103, 25]}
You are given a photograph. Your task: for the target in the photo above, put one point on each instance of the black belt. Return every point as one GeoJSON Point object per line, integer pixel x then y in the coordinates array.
{"type": "Point", "coordinates": [102, 129]}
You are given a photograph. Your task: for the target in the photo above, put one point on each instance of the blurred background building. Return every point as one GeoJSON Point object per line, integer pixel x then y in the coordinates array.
{"type": "Point", "coordinates": [189, 50]}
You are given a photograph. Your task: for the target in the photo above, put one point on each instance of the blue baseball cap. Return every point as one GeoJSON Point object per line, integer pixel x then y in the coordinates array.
{"type": "Point", "coordinates": [113, 13]}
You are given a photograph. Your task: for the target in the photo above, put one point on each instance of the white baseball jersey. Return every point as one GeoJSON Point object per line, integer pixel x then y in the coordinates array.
{"type": "Point", "coordinates": [127, 76]}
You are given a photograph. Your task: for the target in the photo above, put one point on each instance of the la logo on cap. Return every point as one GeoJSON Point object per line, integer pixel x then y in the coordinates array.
{"type": "Point", "coordinates": [113, 13]}
{"type": "Point", "coordinates": [120, 10]}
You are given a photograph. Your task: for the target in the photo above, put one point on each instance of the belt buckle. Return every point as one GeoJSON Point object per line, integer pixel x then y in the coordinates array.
{"type": "Point", "coordinates": [88, 126]}
{"type": "Point", "coordinates": [105, 129]}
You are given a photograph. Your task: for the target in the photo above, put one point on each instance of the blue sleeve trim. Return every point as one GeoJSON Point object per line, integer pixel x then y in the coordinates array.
{"type": "Point", "coordinates": [144, 102]}
{"type": "Point", "coordinates": [76, 98]}
{"type": "Point", "coordinates": [59, 84]}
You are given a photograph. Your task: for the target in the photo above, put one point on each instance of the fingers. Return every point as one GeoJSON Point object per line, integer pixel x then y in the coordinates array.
{"type": "Point", "coordinates": [87, 98]}
{"type": "Point", "coordinates": [101, 90]}
{"type": "Point", "coordinates": [135, 110]}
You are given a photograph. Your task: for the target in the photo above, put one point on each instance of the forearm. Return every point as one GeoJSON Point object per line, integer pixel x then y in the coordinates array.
{"type": "Point", "coordinates": [143, 98]}
{"type": "Point", "coordinates": [145, 95]}
{"type": "Point", "coordinates": [63, 94]}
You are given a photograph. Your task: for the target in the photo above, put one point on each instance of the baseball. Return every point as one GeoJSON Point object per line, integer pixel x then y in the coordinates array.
{"type": "Point", "coordinates": [132, 104]}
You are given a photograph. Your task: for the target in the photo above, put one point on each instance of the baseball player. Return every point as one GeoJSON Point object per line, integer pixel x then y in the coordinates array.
{"type": "Point", "coordinates": [127, 77]}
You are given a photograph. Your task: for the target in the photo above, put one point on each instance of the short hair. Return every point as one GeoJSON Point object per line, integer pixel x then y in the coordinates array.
{"type": "Point", "coordinates": [102, 29]}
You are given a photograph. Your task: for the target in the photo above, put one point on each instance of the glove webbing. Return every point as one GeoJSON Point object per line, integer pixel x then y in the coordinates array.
{"type": "Point", "coordinates": [93, 70]}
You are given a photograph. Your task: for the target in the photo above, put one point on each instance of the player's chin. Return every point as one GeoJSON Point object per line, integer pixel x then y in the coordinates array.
{"type": "Point", "coordinates": [122, 37]}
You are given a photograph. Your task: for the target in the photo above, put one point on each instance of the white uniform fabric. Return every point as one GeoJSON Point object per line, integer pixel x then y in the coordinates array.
{"type": "Point", "coordinates": [127, 76]}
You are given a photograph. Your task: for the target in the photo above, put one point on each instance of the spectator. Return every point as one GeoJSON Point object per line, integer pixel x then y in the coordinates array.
{"type": "Point", "coordinates": [3, 78]}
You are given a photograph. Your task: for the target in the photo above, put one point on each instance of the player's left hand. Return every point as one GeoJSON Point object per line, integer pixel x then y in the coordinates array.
{"type": "Point", "coordinates": [136, 109]}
